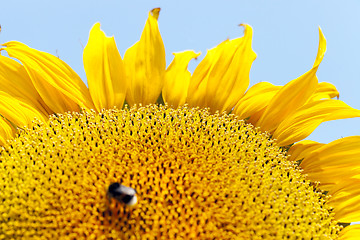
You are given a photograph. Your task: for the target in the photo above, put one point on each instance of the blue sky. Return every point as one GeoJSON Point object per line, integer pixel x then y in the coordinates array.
{"type": "Point", "coordinates": [285, 36]}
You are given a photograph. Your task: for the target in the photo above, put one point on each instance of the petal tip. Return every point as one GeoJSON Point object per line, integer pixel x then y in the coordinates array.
{"type": "Point", "coordinates": [197, 55]}
{"type": "Point", "coordinates": [155, 12]}
{"type": "Point", "coordinates": [321, 49]}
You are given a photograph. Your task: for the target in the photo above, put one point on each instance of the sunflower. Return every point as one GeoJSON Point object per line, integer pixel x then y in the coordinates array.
{"type": "Point", "coordinates": [205, 157]}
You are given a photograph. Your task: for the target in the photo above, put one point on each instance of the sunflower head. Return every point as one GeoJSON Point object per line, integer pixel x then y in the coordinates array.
{"type": "Point", "coordinates": [87, 168]}
{"type": "Point", "coordinates": [196, 175]}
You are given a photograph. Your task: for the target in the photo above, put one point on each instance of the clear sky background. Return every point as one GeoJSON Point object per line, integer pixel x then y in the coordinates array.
{"type": "Point", "coordinates": [285, 36]}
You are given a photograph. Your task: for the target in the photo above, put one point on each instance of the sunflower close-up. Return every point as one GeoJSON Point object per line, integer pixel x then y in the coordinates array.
{"type": "Point", "coordinates": [146, 150]}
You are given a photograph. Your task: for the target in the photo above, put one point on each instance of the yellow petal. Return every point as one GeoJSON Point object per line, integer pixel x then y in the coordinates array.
{"type": "Point", "coordinates": [58, 85]}
{"type": "Point", "coordinates": [293, 95]}
{"type": "Point", "coordinates": [345, 198]}
{"type": "Point", "coordinates": [145, 64]}
{"type": "Point", "coordinates": [255, 99]}
{"type": "Point", "coordinates": [329, 177]}
{"type": "Point", "coordinates": [336, 167]}
{"type": "Point", "coordinates": [221, 79]}
{"type": "Point", "coordinates": [305, 120]}
{"type": "Point", "coordinates": [302, 149]}
{"type": "Point", "coordinates": [343, 151]}
{"type": "Point", "coordinates": [333, 162]}
{"type": "Point", "coordinates": [254, 118]}
{"type": "Point", "coordinates": [6, 131]}
{"type": "Point", "coordinates": [321, 49]}
{"type": "Point", "coordinates": [177, 79]}
{"type": "Point", "coordinates": [351, 232]}
{"type": "Point", "coordinates": [325, 91]}
{"type": "Point", "coordinates": [104, 70]}
{"type": "Point", "coordinates": [199, 80]}
{"type": "Point", "coordinates": [18, 113]}
{"type": "Point", "coordinates": [16, 82]}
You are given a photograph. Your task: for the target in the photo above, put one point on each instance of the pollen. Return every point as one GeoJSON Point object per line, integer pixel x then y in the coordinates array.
{"type": "Point", "coordinates": [197, 176]}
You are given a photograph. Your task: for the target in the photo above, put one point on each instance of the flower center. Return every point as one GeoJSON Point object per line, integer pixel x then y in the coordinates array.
{"type": "Point", "coordinates": [196, 175]}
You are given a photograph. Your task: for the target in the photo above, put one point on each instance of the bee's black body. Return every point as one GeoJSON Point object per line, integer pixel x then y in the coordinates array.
{"type": "Point", "coordinates": [122, 194]}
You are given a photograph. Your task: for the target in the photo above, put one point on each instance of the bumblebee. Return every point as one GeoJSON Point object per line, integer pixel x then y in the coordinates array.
{"type": "Point", "coordinates": [123, 194]}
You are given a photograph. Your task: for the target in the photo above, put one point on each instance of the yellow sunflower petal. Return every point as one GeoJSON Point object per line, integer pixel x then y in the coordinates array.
{"type": "Point", "coordinates": [293, 95]}
{"type": "Point", "coordinates": [199, 80]}
{"type": "Point", "coordinates": [351, 232]}
{"type": "Point", "coordinates": [104, 70]}
{"type": "Point", "coordinates": [58, 85]}
{"type": "Point", "coordinates": [221, 79]}
{"type": "Point", "coordinates": [345, 198]}
{"type": "Point", "coordinates": [325, 91]}
{"type": "Point", "coordinates": [335, 166]}
{"type": "Point", "coordinates": [255, 99]}
{"type": "Point", "coordinates": [302, 149]}
{"type": "Point", "coordinates": [333, 162]}
{"type": "Point", "coordinates": [254, 118]}
{"type": "Point", "coordinates": [18, 113]}
{"type": "Point", "coordinates": [255, 104]}
{"type": "Point", "coordinates": [342, 151]}
{"type": "Point", "coordinates": [305, 120]}
{"type": "Point", "coordinates": [177, 79]}
{"type": "Point", "coordinates": [145, 64]}
{"type": "Point", "coordinates": [328, 177]}
{"type": "Point", "coordinates": [6, 131]}
{"type": "Point", "coordinates": [321, 49]}
{"type": "Point", "coordinates": [15, 81]}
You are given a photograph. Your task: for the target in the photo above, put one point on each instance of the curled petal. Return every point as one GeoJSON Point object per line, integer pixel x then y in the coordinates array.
{"type": "Point", "coordinates": [255, 99]}
{"type": "Point", "coordinates": [324, 90]}
{"type": "Point", "coordinates": [321, 49]}
{"type": "Point", "coordinates": [305, 120]}
{"type": "Point", "coordinates": [16, 82]}
{"type": "Point", "coordinates": [222, 77]}
{"type": "Point", "coordinates": [104, 70]}
{"type": "Point", "coordinates": [57, 84]}
{"type": "Point", "coordinates": [177, 78]}
{"type": "Point", "coordinates": [145, 64]}
{"type": "Point", "coordinates": [293, 95]}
